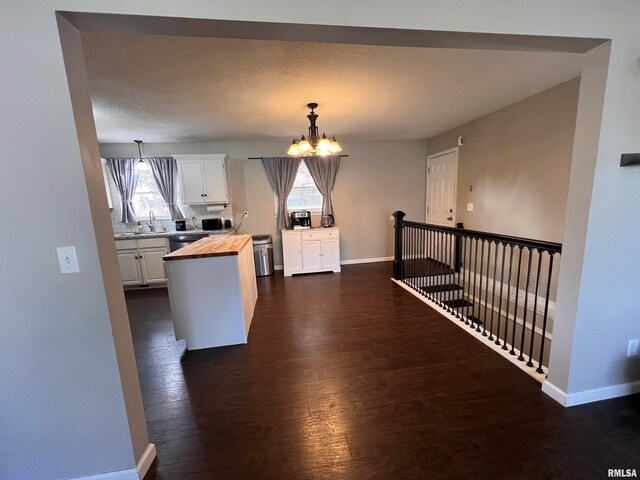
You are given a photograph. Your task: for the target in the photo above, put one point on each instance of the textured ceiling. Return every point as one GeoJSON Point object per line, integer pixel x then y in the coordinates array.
{"type": "Point", "coordinates": [184, 89]}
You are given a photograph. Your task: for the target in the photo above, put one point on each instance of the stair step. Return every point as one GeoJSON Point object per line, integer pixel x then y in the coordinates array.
{"type": "Point", "coordinates": [441, 288]}
{"type": "Point", "coordinates": [458, 303]}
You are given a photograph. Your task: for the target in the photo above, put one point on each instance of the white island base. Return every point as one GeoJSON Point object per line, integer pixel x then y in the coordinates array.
{"type": "Point", "coordinates": [212, 297]}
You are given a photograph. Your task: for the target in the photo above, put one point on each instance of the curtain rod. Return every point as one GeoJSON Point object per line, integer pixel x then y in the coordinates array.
{"type": "Point", "coordinates": [260, 158]}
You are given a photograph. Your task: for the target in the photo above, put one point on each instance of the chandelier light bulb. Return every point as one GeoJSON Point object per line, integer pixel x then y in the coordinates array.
{"type": "Point", "coordinates": [304, 145]}
{"type": "Point", "coordinates": [335, 146]}
{"type": "Point", "coordinates": [324, 143]}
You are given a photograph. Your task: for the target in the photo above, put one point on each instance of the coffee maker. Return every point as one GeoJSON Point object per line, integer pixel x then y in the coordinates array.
{"type": "Point", "coordinates": [301, 220]}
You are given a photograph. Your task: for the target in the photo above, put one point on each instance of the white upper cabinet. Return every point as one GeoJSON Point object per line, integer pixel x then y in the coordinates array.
{"type": "Point", "coordinates": [202, 179]}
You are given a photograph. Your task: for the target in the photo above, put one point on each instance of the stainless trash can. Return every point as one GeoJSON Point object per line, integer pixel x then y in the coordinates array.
{"type": "Point", "coordinates": [263, 255]}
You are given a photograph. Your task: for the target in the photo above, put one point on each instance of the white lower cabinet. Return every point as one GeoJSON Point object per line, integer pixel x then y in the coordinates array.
{"type": "Point", "coordinates": [308, 251]}
{"type": "Point", "coordinates": [141, 261]}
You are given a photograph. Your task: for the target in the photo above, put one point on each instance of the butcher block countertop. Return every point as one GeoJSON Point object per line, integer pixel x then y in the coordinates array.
{"type": "Point", "coordinates": [221, 246]}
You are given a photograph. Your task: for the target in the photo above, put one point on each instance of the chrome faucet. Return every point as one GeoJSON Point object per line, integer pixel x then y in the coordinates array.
{"type": "Point", "coordinates": [150, 224]}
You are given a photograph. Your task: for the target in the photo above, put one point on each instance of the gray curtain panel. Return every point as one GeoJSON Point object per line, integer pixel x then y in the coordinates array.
{"type": "Point", "coordinates": [323, 170]}
{"type": "Point", "coordinates": [126, 179]}
{"type": "Point", "coordinates": [165, 173]}
{"type": "Point", "coordinates": [281, 172]}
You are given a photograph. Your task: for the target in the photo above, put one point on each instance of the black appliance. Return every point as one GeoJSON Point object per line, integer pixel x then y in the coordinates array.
{"type": "Point", "coordinates": [181, 225]}
{"type": "Point", "coordinates": [176, 242]}
{"type": "Point", "coordinates": [227, 223]}
{"type": "Point", "coordinates": [212, 224]}
{"type": "Point", "coordinates": [300, 220]}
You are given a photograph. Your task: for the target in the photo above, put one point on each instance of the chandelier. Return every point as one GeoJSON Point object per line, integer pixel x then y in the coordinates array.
{"type": "Point", "coordinates": [314, 145]}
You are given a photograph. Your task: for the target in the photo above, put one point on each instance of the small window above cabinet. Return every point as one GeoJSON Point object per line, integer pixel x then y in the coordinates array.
{"type": "Point", "coordinates": [202, 179]}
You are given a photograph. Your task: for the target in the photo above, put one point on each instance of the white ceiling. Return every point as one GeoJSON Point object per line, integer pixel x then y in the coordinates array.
{"type": "Point", "coordinates": [187, 89]}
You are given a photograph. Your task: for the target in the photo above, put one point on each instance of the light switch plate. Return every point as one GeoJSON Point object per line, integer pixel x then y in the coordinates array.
{"type": "Point", "coordinates": [68, 260]}
{"type": "Point", "coordinates": [632, 349]}
{"type": "Point", "coordinates": [469, 207]}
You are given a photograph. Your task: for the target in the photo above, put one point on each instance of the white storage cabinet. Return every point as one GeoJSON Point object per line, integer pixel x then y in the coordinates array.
{"type": "Point", "coordinates": [140, 261]}
{"type": "Point", "coordinates": [202, 178]}
{"type": "Point", "coordinates": [309, 251]}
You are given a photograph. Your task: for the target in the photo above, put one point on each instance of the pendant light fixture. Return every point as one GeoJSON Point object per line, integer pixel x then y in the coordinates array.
{"type": "Point", "coordinates": [140, 164]}
{"type": "Point", "coordinates": [314, 144]}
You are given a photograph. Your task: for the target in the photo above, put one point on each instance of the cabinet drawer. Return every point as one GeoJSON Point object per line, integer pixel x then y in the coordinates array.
{"type": "Point", "coordinates": [319, 235]}
{"type": "Point", "coordinates": [151, 242]}
{"type": "Point", "coordinates": [125, 244]}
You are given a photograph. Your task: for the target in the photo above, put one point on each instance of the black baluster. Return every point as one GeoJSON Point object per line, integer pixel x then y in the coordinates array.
{"type": "Point", "coordinates": [421, 257]}
{"type": "Point", "coordinates": [475, 283]}
{"type": "Point", "coordinates": [515, 308]}
{"type": "Point", "coordinates": [486, 294]}
{"type": "Point", "coordinates": [526, 306]}
{"type": "Point", "coordinates": [535, 310]}
{"type": "Point", "coordinates": [546, 314]}
{"type": "Point", "coordinates": [479, 296]}
{"type": "Point", "coordinates": [466, 286]}
{"type": "Point", "coordinates": [461, 261]}
{"type": "Point", "coordinates": [504, 252]}
{"type": "Point", "coordinates": [493, 291]}
{"type": "Point", "coordinates": [450, 270]}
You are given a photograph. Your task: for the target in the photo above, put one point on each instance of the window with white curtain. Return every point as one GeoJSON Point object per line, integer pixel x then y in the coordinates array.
{"type": "Point", "coordinates": [304, 194]}
{"type": "Point", "coordinates": [147, 198]}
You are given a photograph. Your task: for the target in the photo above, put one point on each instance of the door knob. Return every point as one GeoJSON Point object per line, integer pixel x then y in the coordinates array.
{"type": "Point", "coordinates": [449, 218]}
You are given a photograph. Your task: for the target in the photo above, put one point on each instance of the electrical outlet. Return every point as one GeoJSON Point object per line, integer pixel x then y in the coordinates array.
{"type": "Point", "coordinates": [469, 207]}
{"type": "Point", "coordinates": [246, 214]}
{"type": "Point", "coordinates": [632, 349]}
{"type": "Point", "coordinates": [69, 261]}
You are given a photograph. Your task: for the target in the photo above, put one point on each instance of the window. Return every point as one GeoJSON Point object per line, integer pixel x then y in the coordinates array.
{"type": "Point", "coordinates": [147, 197]}
{"type": "Point", "coordinates": [304, 194]}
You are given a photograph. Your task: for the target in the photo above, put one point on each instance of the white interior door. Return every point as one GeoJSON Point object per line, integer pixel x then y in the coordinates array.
{"type": "Point", "coordinates": [442, 180]}
{"type": "Point", "coordinates": [442, 176]}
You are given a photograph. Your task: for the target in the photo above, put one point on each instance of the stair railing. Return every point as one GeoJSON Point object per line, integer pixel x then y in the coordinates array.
{"type": "Point", "coordinates": [500, 286]}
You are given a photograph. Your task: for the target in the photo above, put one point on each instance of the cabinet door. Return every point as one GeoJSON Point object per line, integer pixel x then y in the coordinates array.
{"type": "Point", "coordinates": [191, 185]}
{"type": "Point", "coordinates": [214, 181]}
{"type": "Point", "coordinates": [129, 267]}
{"type": "Point", "coordinates": [330, 253]}
{"type": "Point", "coordinates": [291, 252]}
{"type": "Point", "coordinates": [152, 265]}
{"type": "Point", "coordinates": [311, 255]}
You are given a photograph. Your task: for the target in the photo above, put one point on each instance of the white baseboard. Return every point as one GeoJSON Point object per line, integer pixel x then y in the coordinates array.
{"type": "Point", "coordinates": [129, 474]}
{"type": "Point", "coordinates": [351, 262]}
{"type": "Point", "coordinates": [146, 460]}
{"type": "Point", "coordinates": [589, 396]}
{"type": "Point", "coordinates": [137, 473]}
{"type": "Point", "coordinates": [366, 260]}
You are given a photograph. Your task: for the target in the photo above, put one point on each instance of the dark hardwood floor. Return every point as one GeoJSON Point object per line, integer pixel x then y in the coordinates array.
{"type": "Point", "coordinates": [348, 376]}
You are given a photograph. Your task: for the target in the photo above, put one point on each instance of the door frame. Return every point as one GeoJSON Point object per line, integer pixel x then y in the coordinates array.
{"type": "Point", "coordinates": [455, 150]}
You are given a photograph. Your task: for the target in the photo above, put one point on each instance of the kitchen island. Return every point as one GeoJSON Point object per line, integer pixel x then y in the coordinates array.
{"type": "Point", "coordinates": [212, 291]}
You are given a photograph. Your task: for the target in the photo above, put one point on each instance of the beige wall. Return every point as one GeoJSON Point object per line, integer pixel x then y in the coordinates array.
{"type": "Point", "coordinates": [375, 180]}
{"type": "Point", "coordinates": [518, 161]}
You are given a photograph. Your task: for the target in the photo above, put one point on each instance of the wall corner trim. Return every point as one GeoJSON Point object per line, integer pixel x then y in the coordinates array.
{"type": "Point", "coordinates": [146, 460]}
{"type": "Point", "coordinates": [554, 392]}
{"type": "Point", "coordinates": [589, 396]}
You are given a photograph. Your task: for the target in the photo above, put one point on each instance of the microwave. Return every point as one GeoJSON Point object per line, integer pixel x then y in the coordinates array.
{"type": "Point", "coordinates": [212, 224]}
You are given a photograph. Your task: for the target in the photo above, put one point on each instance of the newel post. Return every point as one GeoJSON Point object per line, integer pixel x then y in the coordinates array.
{"type": "Point", "coordinates": [398, 266]}
{"type": "Point", "coordinates": [458, 249]}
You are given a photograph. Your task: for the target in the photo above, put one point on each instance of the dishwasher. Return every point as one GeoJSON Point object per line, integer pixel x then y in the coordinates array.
{"type": "Point", "coordinates": [178, 241]}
